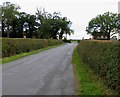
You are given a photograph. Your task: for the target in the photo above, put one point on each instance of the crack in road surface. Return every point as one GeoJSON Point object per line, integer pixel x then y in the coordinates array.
{"type": "Point", "coordinates": [46, 73]}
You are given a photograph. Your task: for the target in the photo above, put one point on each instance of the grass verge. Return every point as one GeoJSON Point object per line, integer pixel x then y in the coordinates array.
{"type": "Point", "coordinates": [18, 56]}
{"type": "Point", "coordinates": [87, 82]}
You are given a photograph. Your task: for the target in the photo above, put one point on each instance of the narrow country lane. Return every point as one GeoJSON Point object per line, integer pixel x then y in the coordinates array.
{"type": "Point", "coordinates": [46, 73]}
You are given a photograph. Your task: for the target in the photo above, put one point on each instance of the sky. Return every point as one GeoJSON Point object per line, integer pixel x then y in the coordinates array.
{"type": "Point", "coordinates": [80, 12]}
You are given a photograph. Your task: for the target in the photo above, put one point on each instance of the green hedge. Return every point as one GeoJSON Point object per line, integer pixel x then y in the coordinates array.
{"type": "Point", "coordinates": [103, 57]}
{"type": "Point", "coordinates": [12, 46]}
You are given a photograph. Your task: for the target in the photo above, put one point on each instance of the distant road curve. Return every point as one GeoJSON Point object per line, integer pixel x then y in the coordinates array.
{"type": "Point", "coordinates": [46, 73]}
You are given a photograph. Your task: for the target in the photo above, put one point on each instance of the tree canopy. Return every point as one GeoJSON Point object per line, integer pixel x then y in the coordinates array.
{"type": "Point", "coordinates": [16, 24]}
{"type": "Point", "coordinates": [104, 25]}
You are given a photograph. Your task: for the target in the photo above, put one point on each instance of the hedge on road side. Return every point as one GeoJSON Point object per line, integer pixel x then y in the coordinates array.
{"type": "Point", "coordinates": [12, 46]}
{"type": "Point", "coordinates": [103, 57]}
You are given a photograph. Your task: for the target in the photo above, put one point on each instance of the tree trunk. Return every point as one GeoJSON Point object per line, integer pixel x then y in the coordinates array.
{"type": "Point", "coordinates": [108, 37]}
{"type": "Point", "coordinates": [8, 31]}
{"type": "Point", "coordinates": [3, 34]}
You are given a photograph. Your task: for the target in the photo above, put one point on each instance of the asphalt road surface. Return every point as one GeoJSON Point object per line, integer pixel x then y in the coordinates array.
{"type": "Point", "coordinates": [46, 73]}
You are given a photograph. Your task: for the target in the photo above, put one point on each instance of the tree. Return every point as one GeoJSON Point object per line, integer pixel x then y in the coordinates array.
{"type": "Point", "coordinates": [31, 20]}
{"type": "Point", "coordinates": [9, 12]}
{"type": "Point", "coordinates": [17, 24]}
{"type": "Point", "coordinates": [103, 25]}
{"type": "Point", "coordinates": [53, 25]}
{"type": "Point", "coordinates": [42, 18]}
{"type": "Point", "coordinates": [22, 18]}
{"type": "Point", "coordinates": [65, 28]}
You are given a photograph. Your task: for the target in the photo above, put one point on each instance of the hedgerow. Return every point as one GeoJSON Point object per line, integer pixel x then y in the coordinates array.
{"type": "Point", "coordinates": [12, 46]}
{"type": "Point", "coordinates": [103, 57]}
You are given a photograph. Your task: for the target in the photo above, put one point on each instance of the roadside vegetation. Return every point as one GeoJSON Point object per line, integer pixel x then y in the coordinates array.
{"type": "Point", "coordinates": [86, 82]}
{"type": "Point", "coordinates": [96, 65]}
{"type": "Point", "coordinates": [12, 46]}
{"type": "Point", "coordinates": [18, 56]}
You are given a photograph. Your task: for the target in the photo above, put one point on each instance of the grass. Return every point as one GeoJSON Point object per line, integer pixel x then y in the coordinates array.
{"type": "Point", "coordinates": [18, 56]}
{"type": "Point", "coordinates": [87, 82]}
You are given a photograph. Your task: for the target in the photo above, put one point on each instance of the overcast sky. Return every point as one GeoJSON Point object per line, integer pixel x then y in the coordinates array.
{"type": "Point", "coordinates": [80, 12]}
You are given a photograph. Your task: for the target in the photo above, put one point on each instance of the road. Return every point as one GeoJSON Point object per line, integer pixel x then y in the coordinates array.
{"type": "Point", "coordinates": [46, 73]}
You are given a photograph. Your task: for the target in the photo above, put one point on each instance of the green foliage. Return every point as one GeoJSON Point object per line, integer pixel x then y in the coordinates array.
{"type": "Point", "coordinates": [16, 24]}
{"type": "Point", "coordinates": [16, 46]}
{"type": "Point", "coordinates": [15, 57]}
{"type": "Point", "coordinates": [103, 58]}
{"type": "Point", "coordinates": [87, 83]}
{"type": "Point", "coordinates": [9, 12]}
{"type": "Point", "coordinates": [103, 25]}
{"type": "Point", "coordinates": [53, 25]}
